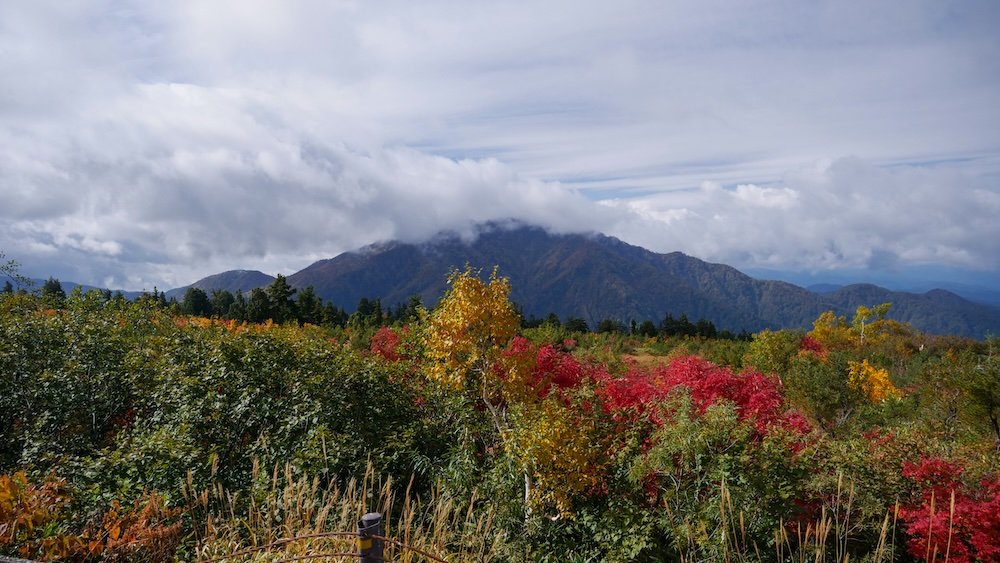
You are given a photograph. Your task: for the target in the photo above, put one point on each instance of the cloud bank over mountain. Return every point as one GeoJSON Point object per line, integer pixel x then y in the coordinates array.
{"type": "Point", "coordinates": [847, 213]}
{"type": "Point", "coordinates": [150, 144]}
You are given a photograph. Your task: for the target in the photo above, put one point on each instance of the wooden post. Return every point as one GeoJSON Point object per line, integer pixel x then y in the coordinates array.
{"type": "Point", "coordinates": [370, 548]}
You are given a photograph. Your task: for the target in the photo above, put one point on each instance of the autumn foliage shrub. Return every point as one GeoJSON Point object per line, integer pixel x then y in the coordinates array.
{"type": "Point", "coordinates": [37, 519]}
{"type": "Point", "coordinates": [757, 398]}
{"type": "Point", "coordinates": [555, 436]}
{"type": "Point", "coordinates": [871, 380]}
{"type": "Point", "coordinates": [952, 520]}
{"type": "Point", "coordinates": [29, 513]}
{"type": "Point", "coordinates": [809, 345]}
{"type": "Point", "coordinates": [573, 450]}
{"type": "Point", "coordinates": [146, 531]}
{"type": "Point", "coordinates": [542, 370]}
{"type": "Point", "coordinates": [385, 343]}
{"type": "Point", "coordinates": [686, 410]}
{"type": "Point", "coordinates": [554, 368]}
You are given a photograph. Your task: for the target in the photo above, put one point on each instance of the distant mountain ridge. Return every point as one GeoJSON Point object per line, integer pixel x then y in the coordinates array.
{"type": "Point", "coordinates": [937, 311]}
{"type": "Point", "coordinates": [596, 277]}
{"type": "Point", "coordinates": [68, 287]}
{"type": "Point", "coordinates": [231, 281]}
{"type": "Point", "coordinates": [976, 286]}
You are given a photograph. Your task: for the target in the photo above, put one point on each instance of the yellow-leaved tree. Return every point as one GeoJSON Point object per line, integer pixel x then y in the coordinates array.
{"type": "Point", "coordinates": [560, 450]}
{"type": "Point", "coordinates": [833, 332]}
{"type": "Point", "coordinates": [873, 381]}
{"type": "Point", "coordinates": [868, 328]}
{"type": "Point", "coordinates": [465, 338]}
{"type": "Point", "coordinates": [867, 316]}
{"type": "Point", "coordinates": [467, 332]}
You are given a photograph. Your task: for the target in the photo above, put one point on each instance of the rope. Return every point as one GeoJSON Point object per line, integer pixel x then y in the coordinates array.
{"type": "Point", "coordinates": [322, 555]}
{"type": "Point", "coordinates": [277, 543]}
{"type": "Point", "coordinates": [284, 541]}
{"type": "Point", "coordinates": [410, 548]}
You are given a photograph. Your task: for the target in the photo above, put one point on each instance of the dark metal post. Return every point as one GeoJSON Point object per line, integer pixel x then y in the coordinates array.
{"type": "Point", "coordinates": [370, 548]}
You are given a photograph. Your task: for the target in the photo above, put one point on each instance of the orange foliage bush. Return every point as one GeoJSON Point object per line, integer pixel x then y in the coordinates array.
{"type": "Point", "coordinates": [26, 510]}
{"type": "Point", "coordinates": [149, 531]}
{"type": "Point", "coordinates": [32, 518]}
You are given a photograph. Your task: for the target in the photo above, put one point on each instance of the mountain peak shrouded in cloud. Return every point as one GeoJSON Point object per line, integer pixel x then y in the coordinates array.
{"type": "Point", "coordinates": [596, 277]}
{"type": "Point", "coordinates": [149, 144]}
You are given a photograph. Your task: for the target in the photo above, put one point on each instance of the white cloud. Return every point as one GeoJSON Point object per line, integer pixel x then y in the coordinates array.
{"type": "Point", "coordinates": [179, 181]}
{"type": "Point", "coordinates": [756, 196]}
{"type": "Point", "coordinates": [156, 142]}
{"type": "Point", "coordinates": [848, 213]}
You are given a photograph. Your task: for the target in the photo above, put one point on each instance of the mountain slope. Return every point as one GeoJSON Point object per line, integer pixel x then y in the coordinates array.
{"type": "Point", "coordinates": [597, 277]}
{"type": "Point", "coordinates": [943, 311]}
{"type": "Point", "coordinates": [68, 287]}
{"type": "Point", "coordinates": [231, 281]}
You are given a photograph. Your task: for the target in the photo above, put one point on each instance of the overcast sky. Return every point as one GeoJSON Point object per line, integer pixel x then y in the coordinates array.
{"type": "Point", "coordinates": [152, 143]}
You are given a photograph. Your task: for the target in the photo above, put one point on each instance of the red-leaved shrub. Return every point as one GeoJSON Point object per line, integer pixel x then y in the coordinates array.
{"type": "Point", "coordinates": [964, 532]}
{"type": "Point", "coordinates": [385, 343]}
{"type": "Point", "coordinates": [757, 397]}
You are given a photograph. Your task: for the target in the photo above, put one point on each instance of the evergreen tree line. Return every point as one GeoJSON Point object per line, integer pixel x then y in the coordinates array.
{"type": "Point", "coordinates": [667, 327]}
{"type": "Point", "coordinates": [282, 303]}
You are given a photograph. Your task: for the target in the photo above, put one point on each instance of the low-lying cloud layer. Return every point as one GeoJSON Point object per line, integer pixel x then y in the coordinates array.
{"type": "Point", "coordinates": [844, 214]}
{"type": "Point", "coordinates": [195, 184]}
{"type": "Point", "coordinates": [148, 144]}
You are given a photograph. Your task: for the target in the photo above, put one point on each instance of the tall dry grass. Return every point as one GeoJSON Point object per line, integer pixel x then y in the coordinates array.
{"type": "Point", "coordinates": [286, 518]}
{"type": "Point", "coordinates": [826, 539]}
{"type": "Point", "coordinates": [289, 518]}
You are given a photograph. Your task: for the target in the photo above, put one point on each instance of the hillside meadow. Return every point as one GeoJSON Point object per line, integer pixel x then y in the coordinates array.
{"type": "Point", "coordinates": [130, 432]}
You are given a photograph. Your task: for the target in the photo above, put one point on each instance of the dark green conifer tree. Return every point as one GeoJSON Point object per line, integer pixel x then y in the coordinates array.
{"type": "Point", "coordinates": [196, 303]}
{"type": "Point", "coordinates": [52, 293]}
{"type": "Point", "coordinates": [259, 306]}
{"type": "Point", "coordinates": [280, 295]}
{"type": "Point", "coordinates": [221, 302]}
{"type": "Point", "coordinates": [309, 306]}
{"type": "Point", "coordinates": [238, 309]}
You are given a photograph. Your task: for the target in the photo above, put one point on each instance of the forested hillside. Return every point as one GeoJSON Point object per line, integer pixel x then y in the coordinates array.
{"type": "Point", "coordinates": [595, 277]}
{"type": "Point", "coordinates": [233, 281]}
{"type": "Point", "coordinates": [132, 431]}
{"type": "Point", "coordinates": [592, 278]}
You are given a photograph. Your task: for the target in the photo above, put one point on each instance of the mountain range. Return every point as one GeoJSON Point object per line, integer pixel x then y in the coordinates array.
{"type": "Point", "coordinates": [597, 277]}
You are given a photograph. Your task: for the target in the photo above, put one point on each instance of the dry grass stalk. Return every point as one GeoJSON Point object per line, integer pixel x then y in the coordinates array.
{"type": "Point", "coordinates": [297, 518]}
